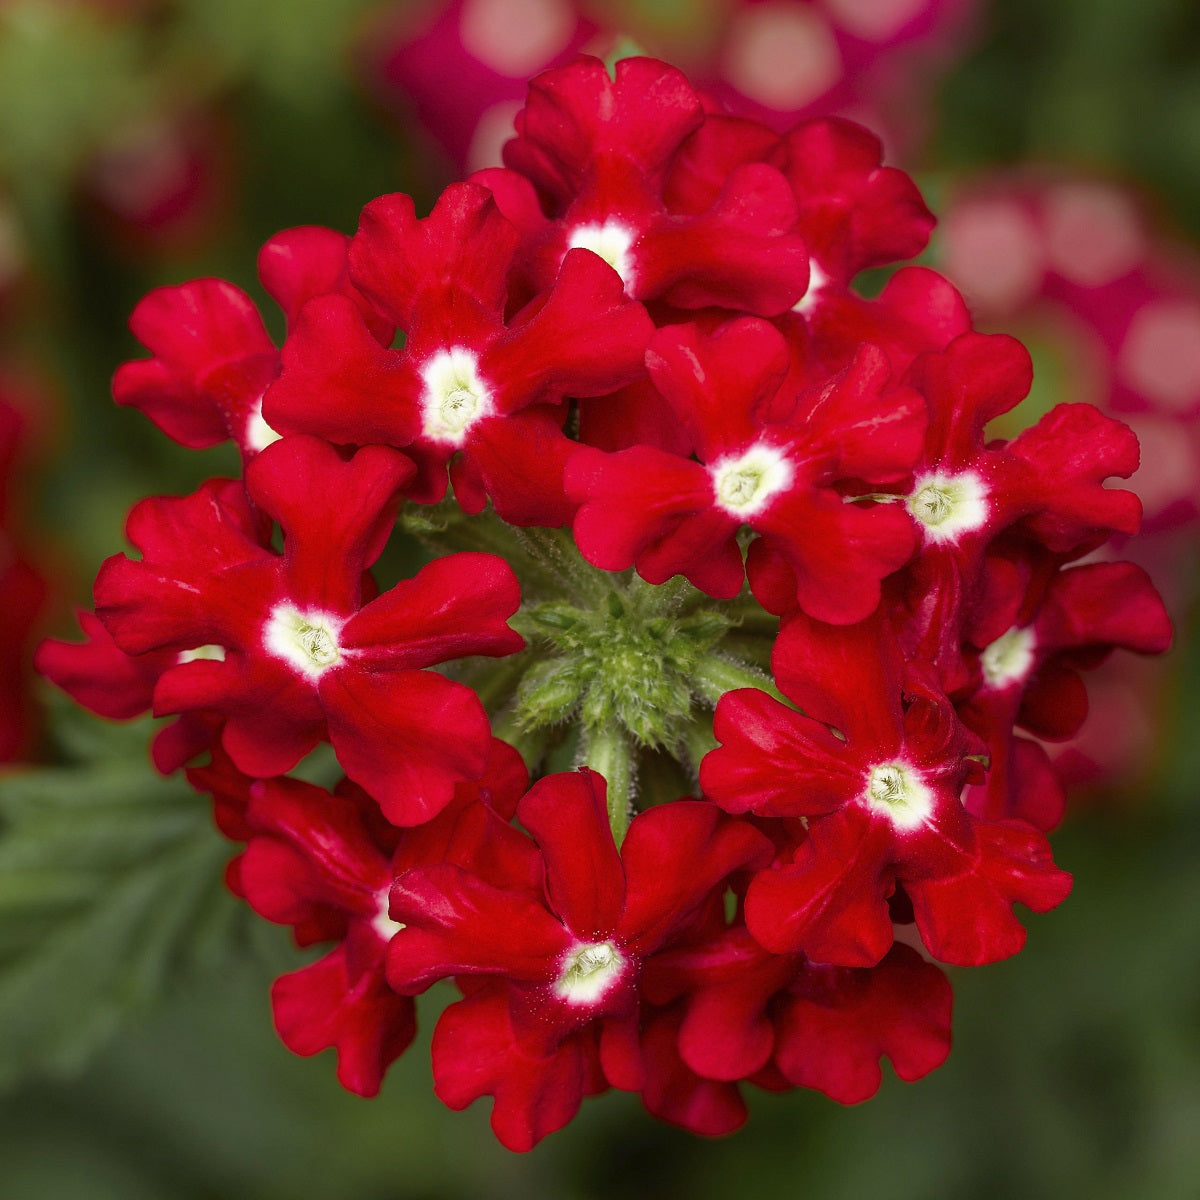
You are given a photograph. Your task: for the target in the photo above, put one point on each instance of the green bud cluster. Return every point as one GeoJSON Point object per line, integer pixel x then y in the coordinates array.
{"type": "Point", "coordinates": [618, 674]}
{"type": "Point", "coordinates": [625, 661]}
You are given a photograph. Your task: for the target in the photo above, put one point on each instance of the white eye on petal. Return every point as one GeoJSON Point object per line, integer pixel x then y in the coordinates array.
{"type": "Point", "coordinates": [817, 280]}
{"type": "Point", "coordinates": [612, 241]}
{"type": "Point", "coordinates": [382, 922]}
{"type": "Point", "coordinates": [745, 484]}
{"type": "Point", "coordinates": [211, 652]}
{"type": "Point", "coordinates": [454, 397]}
{"type": "Point", "coordinates": [588, 971]}
{"type": "Point", "coordinates": [897, 791]}
{"type": "Point", "coordinates": [949, 505]}
{"type": "Point", "coordinates": [1009, 658]}
{"type": "Point", "coordinates": [258, 434]}
{"type": "Point", "coordinates": [307, 641]}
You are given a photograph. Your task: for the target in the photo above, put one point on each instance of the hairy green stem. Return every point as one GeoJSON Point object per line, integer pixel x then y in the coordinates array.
{"type": "Point", "coordinates": [715, 675]}
{"type": "Point", "coordinates": [609, 751]}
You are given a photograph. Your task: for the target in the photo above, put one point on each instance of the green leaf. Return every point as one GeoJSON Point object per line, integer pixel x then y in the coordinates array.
{"type": "Point", "coordinates": [111, 887]}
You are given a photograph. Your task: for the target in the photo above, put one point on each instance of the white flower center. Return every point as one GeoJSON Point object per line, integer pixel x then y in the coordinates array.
{"type": "Point", "coordinates": [213, 652]}
{"type": "Point", "coordinates": [455, 397]}
{"type": "Point", "coordinates": [746, 484]}
{"type": "Point", "coordinates": [307, 641]}
{"type": "Point", "coordinates": [382, 922]}
{"type": "Point", "coordinates": [588, 971]}
{"type": "Point", "coordinates": [1009, 658]}
{"type": "Point", "coordinates": [949, 505]}
{"type": "Point", "coordinates": [612, 241]}
{"type": "Point", "coordinates": [896, 791]}
{"type": "Point", "coordinates": [817, 280]}
{"type": "Point", "coordinates": [259, 435]}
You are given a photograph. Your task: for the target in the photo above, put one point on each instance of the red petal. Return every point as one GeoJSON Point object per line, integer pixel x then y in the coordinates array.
{"type": "Point", "coordinates": [192, 330]}
{"type": "Point", "coordinates": [966, 918]}
{"type": "Point", "coordinates": [838, 1022]}
{"type": "Point", "coordinates": [741, 254]}
{"type": "Point", "coordinates": [583, 339]}
{"type": "Point", "coordinates": [854, 212]}
{"type": "Point", "coordinates": [340, 384]}
{"type": "Point", "coordinates": [456, 924]}
{"type": "Point", "coordinates": [632, 416]}
{"type": "Point", "coordinates": [705, 161]}
{"type": "Point", "coordinates": [831, 902]}
{"type": "Point", "coordinates": [716, 383]}
{"type": "Point", "coordinates": [518, 461]}
{"type": "Point", "coordinates": [336, 515]}
{"type": "Point", "coordinates": [974, 380]}
{"type": "Point", "coordinates": [655, 509]}
{"type": "Point", "coordinates": [847, 676]}
{"type": "Point", "coordinates": [839, 553]}
{"type": "Point", "coordinates": [343, 863]}
{"type": "Point", "coordinates": [465, 242]}
{"type": "Point", "coordinates": [324, 1005]}
{"type": "Point", "coordinates": [567, 817]}
{"type": "Point", "coordinates": [727, 1032]}
{"type": "Point", "coordinates": [100, 676]}
{"type": "Point", "coordinates": [775, 761]}
{"type": "Point", "coordinates": [299, 264]}
{"type": "Point", "coordinates": [475, 1053]}
{"type": "Point", "coordinates": [579, 113]}
{"type": "Point", "coordinates": [408, 737]}
{"type": "Point", "coordinates": [455, 606]}
{"type": "Point", "coordinates": [675, 1093]}
{"type": "Point", "coordinates": [676, 855]}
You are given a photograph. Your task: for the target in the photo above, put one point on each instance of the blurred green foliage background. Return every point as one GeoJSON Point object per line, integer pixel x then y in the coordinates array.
{"type": "Point", "coordinates": [1076, 1069]}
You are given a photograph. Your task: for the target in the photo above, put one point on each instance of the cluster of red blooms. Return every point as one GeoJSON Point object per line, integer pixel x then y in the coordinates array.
{"type": "Point", "coordinates": [639, 344]}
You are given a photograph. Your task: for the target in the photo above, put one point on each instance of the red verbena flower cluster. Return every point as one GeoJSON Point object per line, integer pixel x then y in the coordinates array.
{"type": "Point", "coordinates": [700, 520]}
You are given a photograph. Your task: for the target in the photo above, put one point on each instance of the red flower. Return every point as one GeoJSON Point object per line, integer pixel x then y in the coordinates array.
{"type": "Point", "coordinates": [213, 359]}
{"type": "Point", "coordinates": [823, 1027]}
{"type": "Point", "coordinates": [876, 760]}
{"type": "Point", "coordinates": [1033, 629]}
{"type": "Point", "coordinates": [768, 459]}
{"type": "Point", "coordinates": [472, 383]}
{"type": "Point", "coordinates": [311, 863]}
{"type": "Point", "coordinates": [99, 675]}
{"type": "Point", "coordinates": [304, 653]}
{"type": "Point", "coordinates": [852, 212]}
{"type": "Point", "coordinates": [541, 366]}
{"type": "Point", "coordinates": [1047, 484]}
{"type": "Point", "coordinates": [559, 960]}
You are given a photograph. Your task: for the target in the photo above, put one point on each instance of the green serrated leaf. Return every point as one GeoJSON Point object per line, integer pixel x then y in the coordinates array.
{"type": "Point", "coordinates": [111, 883]}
